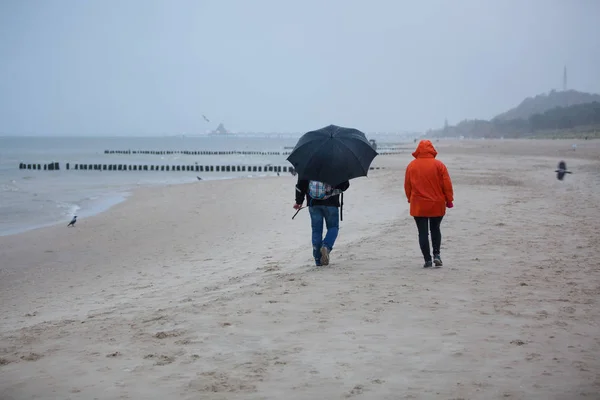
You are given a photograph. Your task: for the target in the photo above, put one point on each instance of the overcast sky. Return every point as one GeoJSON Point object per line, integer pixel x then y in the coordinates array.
{"type": "Point", "coordinates": [154, 67]}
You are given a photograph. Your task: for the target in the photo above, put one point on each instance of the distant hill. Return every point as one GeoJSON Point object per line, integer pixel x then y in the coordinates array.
{"type": "Point", "coordinates": [544, 102]}
{"type": "Point", "coordinates": [560, 113]}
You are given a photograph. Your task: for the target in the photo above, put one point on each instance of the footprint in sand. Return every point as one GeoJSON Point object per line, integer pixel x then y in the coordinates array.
{"type": "Point", "coordinates": [580, 365]}
{"type": "Point", "coordinates": [31, 357]}
{"type": "Point", "coordinates": [193, 358]}
{"type": "Point", "coordinates": [356, 390]}
{"type": "Point", "coordinates": [541, 315]}
{"type": "Point", "coordinates": [219, 382]}
{"type": "Point", "coordinates": [141, 287]}
{"type": "Point", "coordinates": [187, 341]}
{"type": "Point", "coordinates": [160, 359]}
{"type": "Point", "coordinates": [167, 334]}
{"type": "Point", "coordinates": [157, 318]}
{"type": "Point", "coordinates": [271, 268]}
{"type": "Point", "coordinates": [533, 357]}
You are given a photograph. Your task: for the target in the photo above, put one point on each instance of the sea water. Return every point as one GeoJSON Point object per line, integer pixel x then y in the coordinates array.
{"type": "Point", "coordinates": [35, 198]}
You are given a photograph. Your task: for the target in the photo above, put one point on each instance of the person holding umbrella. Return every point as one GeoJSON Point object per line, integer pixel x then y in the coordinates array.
{"type": "Point", "coordinates": [429, 191]}
{"type": "Point", "coordinates": [326, 159]}
{"type": "Point", "coordinates": [323, 202]}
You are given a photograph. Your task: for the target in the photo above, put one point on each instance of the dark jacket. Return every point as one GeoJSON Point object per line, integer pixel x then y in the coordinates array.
{"type": "Point", "coordinates": [302, 192]}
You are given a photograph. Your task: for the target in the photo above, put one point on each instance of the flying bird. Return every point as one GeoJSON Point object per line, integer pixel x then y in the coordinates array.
{"type": "Point", "coordinates": [72, 223]}
{"type": "Point", "coordinates": [206, 119]}
{"type": "Point", "coordinates": [562, 170]}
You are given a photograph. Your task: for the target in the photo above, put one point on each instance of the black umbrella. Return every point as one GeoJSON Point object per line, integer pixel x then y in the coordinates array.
{"type": "Point", "coordinates": [332, 154]}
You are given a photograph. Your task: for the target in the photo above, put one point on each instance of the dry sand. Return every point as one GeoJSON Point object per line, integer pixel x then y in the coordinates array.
{"type": "Point", "coordinates": [207, 291]}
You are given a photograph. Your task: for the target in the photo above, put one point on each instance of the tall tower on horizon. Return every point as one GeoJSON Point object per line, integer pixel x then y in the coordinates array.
{"type": "Point", "coordinates": [565, 79]}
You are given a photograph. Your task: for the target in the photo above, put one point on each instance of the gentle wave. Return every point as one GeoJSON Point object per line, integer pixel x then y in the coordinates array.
{"type": "Point", "coordinates": [8, 188]}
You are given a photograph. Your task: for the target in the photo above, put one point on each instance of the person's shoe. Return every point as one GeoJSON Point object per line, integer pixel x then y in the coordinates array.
{"type": "Point", "coordinates": [324, 255]}
{"type": "Point", "coordinates": [428, 264]}
{"type": "Point", "coordinates": [437, 260]}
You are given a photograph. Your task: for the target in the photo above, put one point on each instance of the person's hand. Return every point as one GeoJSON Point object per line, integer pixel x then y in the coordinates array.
{"type": "Point", "coordinates": [297, 206]}
{"type": "Point", "coordinates": [449, 204]}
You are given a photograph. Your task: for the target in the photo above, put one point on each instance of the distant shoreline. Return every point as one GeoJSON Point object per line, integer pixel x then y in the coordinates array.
{"type": "Point", "coordinates": [540, 137]}
{"type": "Point", "coordinates": [113, 199]}
{"type": "Point", "coordinates": [99, 207]}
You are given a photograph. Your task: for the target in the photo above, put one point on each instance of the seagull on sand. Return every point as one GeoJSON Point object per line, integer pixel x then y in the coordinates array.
{"type": "Point", "coordinates": [72, 223]}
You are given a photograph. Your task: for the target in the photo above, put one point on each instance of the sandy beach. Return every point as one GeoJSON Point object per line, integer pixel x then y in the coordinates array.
{"type": "Point", "coordinates": [208, 290]}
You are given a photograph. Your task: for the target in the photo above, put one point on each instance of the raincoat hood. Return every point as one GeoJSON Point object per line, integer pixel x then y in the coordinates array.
{"type": "Point", "coordinates": [425, 149]}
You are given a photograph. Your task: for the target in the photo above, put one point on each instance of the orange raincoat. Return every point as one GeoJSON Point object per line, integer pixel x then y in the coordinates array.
{"type": "Point", "coordinates": [427, 183]}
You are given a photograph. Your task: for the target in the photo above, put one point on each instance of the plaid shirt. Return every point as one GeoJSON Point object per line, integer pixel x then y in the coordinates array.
{"type": "Point", "coordinates": [319, 190]}
{"type": "Point", "coordinates": [302, 190]}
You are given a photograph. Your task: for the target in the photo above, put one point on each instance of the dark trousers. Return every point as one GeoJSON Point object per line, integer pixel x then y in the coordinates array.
{"type": "Point", "coordinates": [424, 225]}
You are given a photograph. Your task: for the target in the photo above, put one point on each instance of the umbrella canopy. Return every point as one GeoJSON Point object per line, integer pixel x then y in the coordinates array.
{"type": "Point", "coordinates": [332, 154]}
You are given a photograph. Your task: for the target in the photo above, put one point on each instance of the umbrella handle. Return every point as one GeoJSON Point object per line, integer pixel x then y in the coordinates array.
{"type": "Point", "coordinates": [298, 212]}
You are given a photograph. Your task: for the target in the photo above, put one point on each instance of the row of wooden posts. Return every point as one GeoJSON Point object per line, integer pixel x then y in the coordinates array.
{"type": "Point", "coordinates": [198, 152]}
{"type": "Point", "coordinates": [214, 153]}
{"type": "Point", "coordinates": [55, 166]}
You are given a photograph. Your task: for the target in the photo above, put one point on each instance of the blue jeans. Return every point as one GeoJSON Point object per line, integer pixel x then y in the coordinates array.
{"type": "Point", "coordinates": [331, 215]}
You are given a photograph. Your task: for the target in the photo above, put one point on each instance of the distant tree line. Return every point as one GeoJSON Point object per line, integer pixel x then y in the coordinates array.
{"type": "Point", "coordinates": [566, 117]}
{"type": "Point", "coordinates": [558, 118]}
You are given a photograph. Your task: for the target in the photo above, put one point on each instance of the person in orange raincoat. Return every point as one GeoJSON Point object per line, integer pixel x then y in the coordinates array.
{"type": "Point", "coordinates": [429, 191]}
